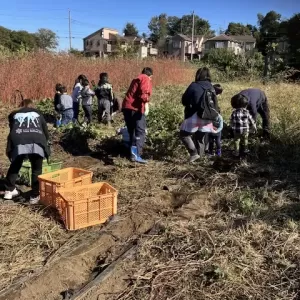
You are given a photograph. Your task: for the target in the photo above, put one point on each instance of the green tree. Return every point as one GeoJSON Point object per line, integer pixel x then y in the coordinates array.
{"type": "Point", "coordinates": [144, 35]}
{"type": "Point", "coordinates": [5, 37]}
{"type": "Point", "coordinates": [202, 27]}
{"type": "Point", "coordinates": [158, 27]}
{"type": "Point", "coordinates": [130, 30]}
{"type": "Point", "coordinates": [22, 40]}
{"type": "Point", "coordinates": [238, 29]}
{"type": "Point", "coordinates": [46, 39]}
{"type": "Point", "coordinates": [269, 27]}
{"type": "Point", "coordinates": [291, 29]}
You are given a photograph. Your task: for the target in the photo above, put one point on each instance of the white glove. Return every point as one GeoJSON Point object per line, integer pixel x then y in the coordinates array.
{"type": "Point", "coordinates": [146, 109]}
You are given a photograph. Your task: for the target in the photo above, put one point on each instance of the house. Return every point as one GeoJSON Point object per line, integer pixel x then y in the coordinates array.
{"type": "Point", "coordinates": [106, 41]}
{"type": "Point", "coordinates": [181, 46]}
{"type": "Point", "coordinates": [237, 44]}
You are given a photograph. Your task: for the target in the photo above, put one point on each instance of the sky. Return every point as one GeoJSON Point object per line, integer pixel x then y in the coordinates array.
{"type": "Point", "coordinates": [88, 16]}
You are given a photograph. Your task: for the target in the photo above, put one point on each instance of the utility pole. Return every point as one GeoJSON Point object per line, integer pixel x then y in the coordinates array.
{"type": "Point", "coordinates": [193, 28]}
{"type": "Point", "coordinates": [70, 33]}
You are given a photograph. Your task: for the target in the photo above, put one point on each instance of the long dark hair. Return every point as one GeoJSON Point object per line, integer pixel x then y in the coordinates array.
{"type": "Point", "coordinates": [79, 79]}
{"type": "Point", "coordinates": [203, 74]}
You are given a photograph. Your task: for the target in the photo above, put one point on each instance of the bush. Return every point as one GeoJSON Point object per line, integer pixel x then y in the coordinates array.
{"type": "Point", "coordinates": [163, 128]}
{"type": "Point", "coordinates": [241, 65]}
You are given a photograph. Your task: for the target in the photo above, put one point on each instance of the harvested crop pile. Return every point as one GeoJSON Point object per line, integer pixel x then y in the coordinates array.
{"type": "Point", "coordinates": [27, 240]}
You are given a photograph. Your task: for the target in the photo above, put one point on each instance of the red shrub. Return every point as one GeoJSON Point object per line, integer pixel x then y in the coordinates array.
{"type": "Point", "coordinates": [36, 74]}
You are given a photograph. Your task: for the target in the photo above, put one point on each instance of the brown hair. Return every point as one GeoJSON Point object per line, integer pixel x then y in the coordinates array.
{"type": "Point", "coordinates": [26, 103]}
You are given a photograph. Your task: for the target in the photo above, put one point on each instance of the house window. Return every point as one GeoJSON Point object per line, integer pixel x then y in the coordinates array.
{"type": "Point", "coordinates": [176, 44]}
{"type": "Point", "coordinates": [98, 43]}
{"type": "Point", "coordinates": [91, 43]}
{"type": "Point", "coordinates": [109, 42]}
{"type": "Point", "coordinates": [87, 42]}
{"type": "Point", "coordinates": [219, 45]}
{"type": "Point", "coordinates": [150, 45]}
{"type": "Point", "coordinates": [248, 47]}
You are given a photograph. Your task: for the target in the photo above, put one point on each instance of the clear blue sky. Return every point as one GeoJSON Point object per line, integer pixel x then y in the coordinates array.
{"type": "Point", "coordinates": [90, 15]}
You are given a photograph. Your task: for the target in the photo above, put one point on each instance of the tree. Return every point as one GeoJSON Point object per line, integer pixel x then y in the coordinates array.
{"type": "Point", "coordinates": [161, 26]}
{"type": "Point", "coordinates": [238, 29]}
{"type": "Point", "coordinates": [130, 30]}
{"type": "Point", "coordinates": [202, 27]}
{"type": "Point", "coordinates": [269, 27]}
{"type": "Point", "coordinates": [144, 35]}
{"type": "Point", "coordinates": [22, 40]}
{"type": "Point", "coordinates": [5, 37]}
{"type": "Point", "coordinates": [158, 26]}
{"type": "Point", "coordinates": [291, 29]}
{"type": "Point", "coordinates": [46, 39]}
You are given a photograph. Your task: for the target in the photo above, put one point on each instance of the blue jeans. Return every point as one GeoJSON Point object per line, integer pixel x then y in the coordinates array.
{"type": "Point", "coordinates": [67, 116]}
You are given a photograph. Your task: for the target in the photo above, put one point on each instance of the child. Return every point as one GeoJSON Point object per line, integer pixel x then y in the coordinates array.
{"type": "Point", "coordinates": [105, 97]}
{"type": "Point", "coordinates": [56, 102]}
{"type": "Point", "coordinates": [87, 100]}
{"type": "Point", "coordinates": [240, 122]}
{"type": "Point", "coordinates": [65, 106]}
{"type": "Point", "coordinates": [76, 95]}
{"type": "Point", "coordinates": [215, 138]}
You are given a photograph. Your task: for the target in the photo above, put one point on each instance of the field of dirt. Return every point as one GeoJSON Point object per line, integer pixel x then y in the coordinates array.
{"type": "Point", "coordinates": [217, 229]}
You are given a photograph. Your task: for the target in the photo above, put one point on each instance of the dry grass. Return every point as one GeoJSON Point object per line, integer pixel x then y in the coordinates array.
{"type": "Point", "coordinates": [27, 240]}
{"type": "Point", "coordinates": [37, 74]}
{"type": "Point", "coordinates": [248, 249]}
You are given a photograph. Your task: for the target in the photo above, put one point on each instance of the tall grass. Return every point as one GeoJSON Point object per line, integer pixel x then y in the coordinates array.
{"type": "Point", "coordinates": [36, 74]}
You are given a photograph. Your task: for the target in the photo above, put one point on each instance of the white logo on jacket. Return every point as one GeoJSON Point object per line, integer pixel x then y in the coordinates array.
{"type": "Point", "coordinates": [29, 117]}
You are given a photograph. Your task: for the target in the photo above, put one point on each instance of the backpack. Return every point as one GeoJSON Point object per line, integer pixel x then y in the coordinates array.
{"type": "Point", "coordinates": [208, 109]}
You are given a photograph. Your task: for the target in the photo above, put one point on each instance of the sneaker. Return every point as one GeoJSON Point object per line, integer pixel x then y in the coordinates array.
{"type": "Point", "coordinates": [193, 158]}
{"type": "Point", "coordinates": [139, 160]}
{"type": "Point", "coordinates": [219, 152]}
{"type": "Point", "coordinates": [34, 200]}
{"type": "Point", "coordinates": [246, 151]}
{"type": "Point", "coordinates": [9, 195]}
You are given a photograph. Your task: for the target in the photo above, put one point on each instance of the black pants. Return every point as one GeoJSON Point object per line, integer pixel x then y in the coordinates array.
{"type": "Point", "coordinates": [136, 126]}
{"type": "Point", "coordinates": [194, 143]}
{"type": "Point", "coordinates": [87, 113]}
{"type": "Point", "coordinates": [14, 169]}
{"type": "Point", "coordinates": [214, 139]}
{"type": "Point", "coordinates": [76, 110]}
{"type": "Point", "coordinates": [264, 112]}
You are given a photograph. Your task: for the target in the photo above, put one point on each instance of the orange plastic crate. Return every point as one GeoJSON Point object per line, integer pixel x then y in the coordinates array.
{"type": "Point", "coordinates": [65, 178]}
{"type": "Point", "coordinates": [87, 205]}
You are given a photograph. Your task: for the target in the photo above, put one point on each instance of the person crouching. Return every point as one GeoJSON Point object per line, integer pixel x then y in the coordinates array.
{"type": "Point", "coordinates": [28, 137]}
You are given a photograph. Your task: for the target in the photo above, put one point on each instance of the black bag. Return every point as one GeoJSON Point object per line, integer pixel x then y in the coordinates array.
{"type": "Point", "coordinates": [208, 106]}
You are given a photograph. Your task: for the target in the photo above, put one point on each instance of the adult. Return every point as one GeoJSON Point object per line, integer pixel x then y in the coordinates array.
{"type": "Point", "coordinates": [258, 104]}
{"type": "Point", "coordinates": [76, 95]}
{"type": "Point", "coordinates": [28, 137]}
{"type": "Point", "coordinates": [137, 96]}
{"type": "Point", "coordinates": [192, 100]}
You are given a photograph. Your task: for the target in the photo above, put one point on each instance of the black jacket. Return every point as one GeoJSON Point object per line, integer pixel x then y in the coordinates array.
{"type": "Point", "coordinates": [27, 126]}
{"type": "Point", "coordinates": [256, 98]}
{"type": "Point", "coordinates": [193, 96]}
